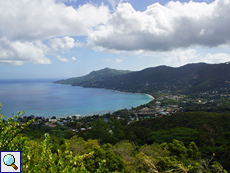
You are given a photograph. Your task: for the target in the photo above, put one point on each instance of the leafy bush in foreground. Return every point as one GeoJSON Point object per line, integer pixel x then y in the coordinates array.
{"type": "Point", "coordinates": [35, 157]}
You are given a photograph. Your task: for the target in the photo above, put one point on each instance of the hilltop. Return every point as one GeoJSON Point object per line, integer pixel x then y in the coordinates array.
{"type": "Point", "coordinates": [93, 77]}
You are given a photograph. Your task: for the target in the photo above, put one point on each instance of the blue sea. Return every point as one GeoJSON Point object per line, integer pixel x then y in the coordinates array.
{"type": "Point", "coordinates": [44, 98]}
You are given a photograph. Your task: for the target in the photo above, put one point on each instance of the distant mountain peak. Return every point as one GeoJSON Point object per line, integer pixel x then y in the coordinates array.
{"type": "Point", "coordinates": [93, 76]}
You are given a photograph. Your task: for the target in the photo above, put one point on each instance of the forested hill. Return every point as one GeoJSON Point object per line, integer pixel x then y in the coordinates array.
{"type": "Point", "coordinates": [93, 77]}
{"type": "Point", "coordinates": [186, 79]}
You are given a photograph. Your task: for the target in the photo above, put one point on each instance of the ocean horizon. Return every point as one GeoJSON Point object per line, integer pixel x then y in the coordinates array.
{"type": "Point", "coordinates": [41, 97]}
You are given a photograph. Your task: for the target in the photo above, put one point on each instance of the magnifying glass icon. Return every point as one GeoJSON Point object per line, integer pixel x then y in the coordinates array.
{"type": "Point", "coordinates": [9, 160]}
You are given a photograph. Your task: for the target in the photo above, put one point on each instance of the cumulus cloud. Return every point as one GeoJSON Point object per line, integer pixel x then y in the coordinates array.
{"type": "Point", "coordinates": [44, 19]}
{"type": "Point", "coordinates": [170, 28]}
{"type": "Point", "coordinates": [217, 58]}
{"type": "Point", "coordinates": [62, 58]}
{"type": "Point", "coordinates": [180, 57]}
{"type": "Point", "coordinates": [164, 28]}
{"type": "Point", "coordinates": [62, 44]}
{"type": "Point", "coordinates": [18, 53]}
{"type": "Point", "coordinates": [25, 23]}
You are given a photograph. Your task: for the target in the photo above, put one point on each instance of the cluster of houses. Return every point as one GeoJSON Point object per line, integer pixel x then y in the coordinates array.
{"type": "Point", "coordinates": [158, 110]}
{"type": "Point", "coordinates": [51, 122]}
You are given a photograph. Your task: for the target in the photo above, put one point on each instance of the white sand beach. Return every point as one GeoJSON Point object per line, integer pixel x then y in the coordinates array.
{"type": "Point", "coordinates": [150, 96]}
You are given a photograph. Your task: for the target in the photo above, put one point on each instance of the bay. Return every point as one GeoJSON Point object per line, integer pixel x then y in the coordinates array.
{"type": "Point", "coordinates": [44, 98]}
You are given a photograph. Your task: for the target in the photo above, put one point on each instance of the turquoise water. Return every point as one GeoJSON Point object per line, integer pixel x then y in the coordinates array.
{"type": "Point", "coordinates": [44, 98]}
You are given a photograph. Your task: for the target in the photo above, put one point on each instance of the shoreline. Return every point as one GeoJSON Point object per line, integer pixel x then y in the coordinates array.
{"type": "Point", "coordinates": [105, 89]}
{"type": "Point", "coordinates": [49, 113]}
{"type": "Point", "coordinates": [150, 96]}
{"type": "Point", "coordinates": [108, 89]}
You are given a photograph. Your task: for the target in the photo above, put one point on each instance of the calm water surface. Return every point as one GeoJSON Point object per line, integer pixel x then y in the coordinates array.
{"type": "Point", "coordinates": [44, 98]}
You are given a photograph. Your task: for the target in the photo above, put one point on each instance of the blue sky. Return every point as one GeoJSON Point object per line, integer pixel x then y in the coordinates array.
{"type": "Point", "coordinates": [68, 38]}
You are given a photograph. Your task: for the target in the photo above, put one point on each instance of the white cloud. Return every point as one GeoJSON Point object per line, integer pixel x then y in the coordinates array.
{"type": "Point", "coordinates": [18, 53]}
{"type": "Point", "coordinates": [160, 30]}
{"type": "Point", "coordinates": [164, 28]}
{"type": "Point", "coordinates": [180, 57]}
{"type": "Point", "coordinates": [62, 44]}
{"type": "Point", "coordinates": [62, 58]}
{"type": "Point", "coordinates": [118, 60]}
{"type": "Point", "coordinates": [217, 58]}
{"type": "Point", "coordinates": [75, 59]}
{"type": "Point", "coordinates": [44, 47]}
{"type": "Point", "coordinates": [26, 20]}
{"type": "Point", "coordinates": [78, 44]}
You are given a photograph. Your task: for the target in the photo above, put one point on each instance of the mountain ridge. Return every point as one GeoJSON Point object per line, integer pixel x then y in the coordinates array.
{"type": "Point", "coordinates": [185, 79]}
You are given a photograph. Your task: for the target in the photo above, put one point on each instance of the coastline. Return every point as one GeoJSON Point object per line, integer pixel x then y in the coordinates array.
{"type": "Point", "coordinates": [107, 89]}
{"type": "Point", "coordinates": [45, 105]}
{"type": "Point", "coordinates": [99, 112]}
{"type": "Point", "coordinates": [150, 96]}
{"type": "Point", "coordinates": [103, 113]}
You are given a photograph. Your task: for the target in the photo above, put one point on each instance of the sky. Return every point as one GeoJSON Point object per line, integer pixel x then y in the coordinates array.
{"type": "Point", "coordinates": [69, 38]}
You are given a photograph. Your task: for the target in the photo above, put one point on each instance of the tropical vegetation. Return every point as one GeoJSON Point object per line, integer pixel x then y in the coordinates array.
{"type": "Point", "coordinates": [98, 153]}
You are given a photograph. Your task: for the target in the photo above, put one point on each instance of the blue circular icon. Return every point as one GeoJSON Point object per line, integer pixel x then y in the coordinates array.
{"type": "Point", "coordinates": [8, 159]}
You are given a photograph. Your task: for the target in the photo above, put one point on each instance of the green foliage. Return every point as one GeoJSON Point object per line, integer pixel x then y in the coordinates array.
{"type": "Point", "coordinates": [148, 156]}
{"type": "Point", "coordinates": [118, 131]}
{"type": "Point", "coordinates": [167, 163]}
{"type": "Point", "coordinates": [100, 130]}
{"type": "Point", "coordinates": [35, 157]}
{"type": "Point", "coordinates": [217, 167]}
{"type": "Point", "coordinates": [62, 161]}
{"type": "Point", "coordinates": [9, 129]}
{"type": "Point", "coordinates": [178, 149]}
{"type": "Point", "coordinates": [79, 146]}
{"type": "Point", "coordinates": [184, 134]}
{"type": "Point", "coordinates": [37, 131]}
{"type": "Point", "coordinates": [193, 152]}
{"type": "Point", "coordinates": [113, 162]}
{"type": "Point", "coordinates": [126, 151]}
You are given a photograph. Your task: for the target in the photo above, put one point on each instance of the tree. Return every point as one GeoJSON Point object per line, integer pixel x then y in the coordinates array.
{"type": "Point", "coordinates": [53, 117]}
{"type": "Point", "coordinates": [113, 162]}
{"type": "Point", "coordinates": [118, 131]}
{"type": "Point", "coordinates": [193, 151]}
{"type": "Point", "coordinates": [100, 130]}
